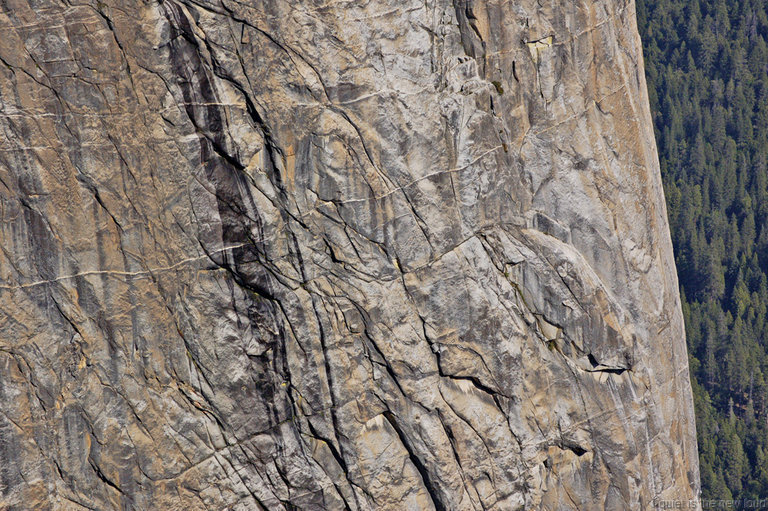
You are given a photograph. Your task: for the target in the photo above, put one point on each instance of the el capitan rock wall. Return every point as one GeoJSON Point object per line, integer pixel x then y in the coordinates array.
{"type": "Point", "coordinates": [335, 255]}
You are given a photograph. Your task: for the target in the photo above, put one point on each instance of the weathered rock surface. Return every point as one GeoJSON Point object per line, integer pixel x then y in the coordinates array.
{"type": "Point", "coordinates": [300, 254]}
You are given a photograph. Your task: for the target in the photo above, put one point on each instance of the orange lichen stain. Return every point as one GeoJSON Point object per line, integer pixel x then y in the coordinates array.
{"type": "Point", "coordinates": [289, 157]}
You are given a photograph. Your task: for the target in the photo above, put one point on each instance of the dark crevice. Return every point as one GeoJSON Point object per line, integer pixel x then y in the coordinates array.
{"type": "Point", "coordinates": [329, 378]}
{"type": "Point", "coordinates": [87, 181]}
{"type": "Point", "coordinates": [337, 456]}
{"type": "Point", "coordinates": [385, 363]}
{"type": "Point", "coordinates": [420, 467]}
{"type": "Point", "coordinates": [105, 479]}
{"type": "Point", "coordinates": [478, 384]}
{"type": "Point", "coordinates": [573, 447]}
{"type": "Point", "coordinates": [534, 41]}
{"type": "Point", "coordinates": [599, 368]}
{"type": "Point", "coordinates": [494, 394]}
{"type": "Point", "coordinates": [335, 452]}
{"type": "Point", "coordinates": [471, 39]}
{"type": "Point", "coordinates": [273, 150]}
{"type": "Point", "coordinates": [66, 317]}
{"type": "Point", "coordinates": [332, 252]}
{"type": "Point", "coordinates": [111, 27]}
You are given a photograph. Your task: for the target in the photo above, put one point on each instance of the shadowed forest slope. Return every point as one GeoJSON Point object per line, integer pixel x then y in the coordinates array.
{"type": "Point", "coordinates": [707, 72]}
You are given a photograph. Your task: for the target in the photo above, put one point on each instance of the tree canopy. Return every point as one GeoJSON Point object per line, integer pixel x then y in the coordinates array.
{"type": "Point", "coordinates": [707, 71]}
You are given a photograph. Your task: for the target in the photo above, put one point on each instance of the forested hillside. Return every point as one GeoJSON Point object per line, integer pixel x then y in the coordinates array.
{"type": "Point", "coordinates": [707, 70]}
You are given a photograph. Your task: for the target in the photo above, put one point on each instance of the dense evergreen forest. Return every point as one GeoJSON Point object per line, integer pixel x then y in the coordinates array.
{"type": "Point", "coordinates": [707, 69]}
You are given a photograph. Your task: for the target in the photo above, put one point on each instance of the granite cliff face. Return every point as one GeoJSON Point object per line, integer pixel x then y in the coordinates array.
{"type": "Point", "coordinates": [299, 254]}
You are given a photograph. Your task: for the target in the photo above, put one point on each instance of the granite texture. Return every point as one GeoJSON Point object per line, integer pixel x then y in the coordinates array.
{"type": "Point", "coordinates": [328, 254]}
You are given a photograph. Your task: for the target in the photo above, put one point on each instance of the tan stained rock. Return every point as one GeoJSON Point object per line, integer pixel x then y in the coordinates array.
{"type": "Point", "coordinates": [335, 255]}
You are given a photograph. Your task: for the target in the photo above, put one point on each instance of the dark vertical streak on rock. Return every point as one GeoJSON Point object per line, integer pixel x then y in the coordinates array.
{"type": "Point", "coordinates": [471, 40]}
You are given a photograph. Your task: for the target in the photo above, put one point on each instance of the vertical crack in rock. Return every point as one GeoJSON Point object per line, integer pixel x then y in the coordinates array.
{"type": "Point", "coordinates": [423, 470]}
